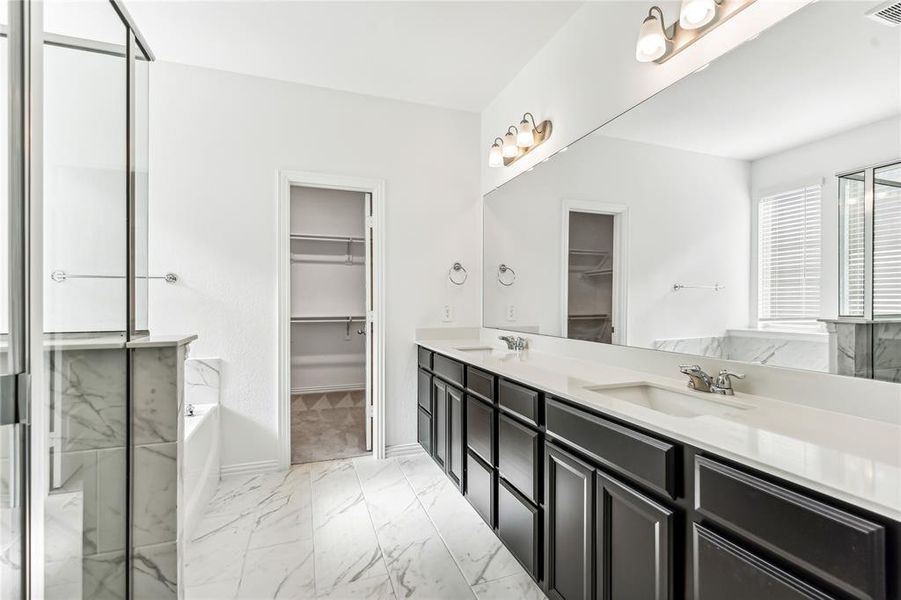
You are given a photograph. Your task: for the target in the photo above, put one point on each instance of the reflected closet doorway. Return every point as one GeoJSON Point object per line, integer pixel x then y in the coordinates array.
{"type": "Point", "coordinates": [593, 282]}
{"type": "Point", "coordinates": [331, 342]}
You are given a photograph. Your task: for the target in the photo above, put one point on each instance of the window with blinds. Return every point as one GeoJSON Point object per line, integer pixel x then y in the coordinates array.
{"type": "Point", "coordinates": [887, 241]}
{"type": "Point", "coordinates": [852, 208]}
{"type": "Point", "coordinates": [788, 249]}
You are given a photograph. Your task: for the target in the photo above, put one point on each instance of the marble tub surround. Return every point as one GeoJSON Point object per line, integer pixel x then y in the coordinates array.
{"type": "Point", "coordinates": [203, 380]}
{"type": "Point", "coordinates": [866, 348]}
{"type": "Point", "coordinates": [352, 528]}
{"type": "Point", "coordinates": [797, 351]}
{"type": "Point", "coordinates": [854, 459]}
{"type": "Point", "coordinates": [158, 367]}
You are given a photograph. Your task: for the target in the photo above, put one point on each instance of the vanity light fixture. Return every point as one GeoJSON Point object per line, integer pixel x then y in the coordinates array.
{"type": "Point", "coordinates": [518, 141]}
{"type": "Point", "coordinates": [658, 43]}
{"type": "Point", "coordinates": [495, 154]}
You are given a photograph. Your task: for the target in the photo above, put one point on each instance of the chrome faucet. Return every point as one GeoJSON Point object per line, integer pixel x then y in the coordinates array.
{"type": "Point", "coordinates": [723, 383]}
{"type": "Point", "coordinates": [698, 379]}
{"type": "Point", "coordinates": [515, 343]}
{"type": "Point", "coordinates": [189, 410]}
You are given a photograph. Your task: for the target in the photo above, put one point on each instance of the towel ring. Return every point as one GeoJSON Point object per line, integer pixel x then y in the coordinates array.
{"type": "Point", "coordinates": [457, 268]}
{"type": "Point", "coordinates": [501, 269]}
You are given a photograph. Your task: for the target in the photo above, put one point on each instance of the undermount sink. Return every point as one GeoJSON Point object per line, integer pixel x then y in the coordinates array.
{"type": "Point", "coordinates": [672, 402]}
{"type": "Point", "coordinates": [485, 351]}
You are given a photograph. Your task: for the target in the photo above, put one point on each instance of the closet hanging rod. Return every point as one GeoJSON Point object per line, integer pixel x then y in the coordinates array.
{"type": "Point", "coordinates": [326, 319]}
{"type": "Point", "coordinates": [326, 238]}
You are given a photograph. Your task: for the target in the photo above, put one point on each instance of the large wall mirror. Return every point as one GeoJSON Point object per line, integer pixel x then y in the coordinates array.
{"type": "Point", "coordinates": [751, 211]}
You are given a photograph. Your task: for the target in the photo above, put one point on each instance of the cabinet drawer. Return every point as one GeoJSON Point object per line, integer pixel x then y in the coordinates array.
{"type": "Point", "coordinates": [517, 456]}
{"type": "Point", "coordinates": [517, 526]}
{"type": "Point", "coordinates": [424, 393]}
{"type": "Point", "coordinates": [480, 383]}
{"type": "Point", "coordinates": [424, 430]}
{"type": "Point", "coordinates": [835, 546]}
{"type": "Point", "coordinates": [480, 487]}
{"type": "Point", "coordinates": [480, 429]}
{"type": "Point", "coordinates": [425, 358]}
{"type": "Point", "coordinates": [635, 454]}
{"type": "Point", "coordinates": [449, 369]}
{"type": "Point", "coordinates": [518, 399]}
{"type": "Point", "coordinates": [722, 569]}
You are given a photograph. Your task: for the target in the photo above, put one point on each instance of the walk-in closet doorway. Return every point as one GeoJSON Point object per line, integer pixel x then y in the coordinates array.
{"type": "Point", "coordinates": [331, 341]}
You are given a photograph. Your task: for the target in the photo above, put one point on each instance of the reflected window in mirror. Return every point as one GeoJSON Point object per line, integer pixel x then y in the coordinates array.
{"type": "Point", "coordinates": [887, 241]}
{"type": "Point", "coordinates": [789, 255]}
{"type": "Point", "coordinates": [851, 207]}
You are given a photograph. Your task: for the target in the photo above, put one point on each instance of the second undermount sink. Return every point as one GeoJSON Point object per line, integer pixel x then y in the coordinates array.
{"type": "Point", "coordinates": [672, 402]}
{"type": "Point", "coordinates": [485, 351]}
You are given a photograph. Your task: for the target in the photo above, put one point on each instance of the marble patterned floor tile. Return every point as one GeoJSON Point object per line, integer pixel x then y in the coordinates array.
{"type": "Point", "coordinates": [226, 589]}
{"type": "Point", "coordinates": [217, 551]}
{"type": "Point", "coordinates": [237, 494]}
{"type": "Point", "coordinates": [282, 572]}
{"type": "Point", "coordinates": [372, 588]}
{"type": "Point", "coordinates": [515, 587]}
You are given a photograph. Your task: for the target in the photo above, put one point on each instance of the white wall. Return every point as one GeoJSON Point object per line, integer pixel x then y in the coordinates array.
{"type": "Point", "coordinates": [665, 190]}
{"type": "Point", "coordinates": [218, 141]}
{"type": "Point", "coordinates": [587, 73]}
{"type": "Point", "coordinates": [819, 162]}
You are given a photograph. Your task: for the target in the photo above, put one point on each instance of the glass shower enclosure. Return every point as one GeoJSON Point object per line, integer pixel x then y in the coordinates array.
{"type": "Point", "coordinates": [73, 271]}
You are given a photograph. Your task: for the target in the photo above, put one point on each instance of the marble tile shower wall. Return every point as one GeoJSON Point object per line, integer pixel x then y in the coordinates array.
{"type": "Point", "coordinates": [866, 349]}
{"type": "Point", "coordinates": [85, 507]}
{"type": "Point", "coordinates": [85, 522]}
{"type": "Point", "coordinates": [774, 351]}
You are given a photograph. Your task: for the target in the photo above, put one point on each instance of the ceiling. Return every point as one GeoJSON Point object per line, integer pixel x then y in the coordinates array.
{"type": "Point", "coordinates": [824, 70]}
{"type": "Point", "coordinates": [450, 54]}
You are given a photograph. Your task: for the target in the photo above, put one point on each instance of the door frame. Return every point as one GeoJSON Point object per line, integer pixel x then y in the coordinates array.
{"type": "Point", "coordinates": [620, 214]}
{"type": "Point", "coordinates": [376, 320]}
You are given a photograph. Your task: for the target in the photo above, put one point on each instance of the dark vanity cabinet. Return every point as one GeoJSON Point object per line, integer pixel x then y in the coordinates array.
{"type": "Point", "coordinates": [596, 508]}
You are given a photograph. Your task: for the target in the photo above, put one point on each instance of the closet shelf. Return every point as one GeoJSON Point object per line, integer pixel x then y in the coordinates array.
{"type": "Point", "coordinates": [597, 272]}
{"type": "Point", "coordinates": [310, 237]}
{"type": "Point", "coordinates": [588, 252]}
{"type": "Point", "coordinates": [597, 317]}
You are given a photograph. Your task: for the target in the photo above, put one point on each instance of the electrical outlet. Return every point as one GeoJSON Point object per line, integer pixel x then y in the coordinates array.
{"type": "Point", "coordinates": [447, 313]}
{"type": "Point", "coordinates": [511, 312]}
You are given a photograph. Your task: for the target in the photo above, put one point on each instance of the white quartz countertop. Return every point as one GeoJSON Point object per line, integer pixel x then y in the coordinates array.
{"type": "Point", "coordinates": [854, 459]}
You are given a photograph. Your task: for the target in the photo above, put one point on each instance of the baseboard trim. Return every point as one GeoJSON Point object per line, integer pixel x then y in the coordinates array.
{"type": "Point", "coordinates": [323, 389]}
{"type": "Point", "coordinates": [403, 450]}
{"type": "Point", "coordinates": [249, 468]}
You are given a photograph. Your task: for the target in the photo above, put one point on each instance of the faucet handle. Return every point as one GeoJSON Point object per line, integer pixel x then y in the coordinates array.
{"type": "Point", "coordinates": [690, 369]}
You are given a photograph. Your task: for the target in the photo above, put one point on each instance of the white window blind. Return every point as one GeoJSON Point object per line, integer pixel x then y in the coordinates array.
{"type": "Point", "coordinates": [853, 216]}
{"type": "Point", "coordinates": [789, 255]}
{"type": "Point", "coordinates": [887, 241]}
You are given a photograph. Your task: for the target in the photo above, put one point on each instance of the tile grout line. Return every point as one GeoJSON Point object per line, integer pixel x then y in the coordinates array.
{"type": "Point", "coordinates": [375, 530]}
{"type": "Point", "coordinates": [438, 531]}
{"type": "Point", "coordinates": [313, 531]}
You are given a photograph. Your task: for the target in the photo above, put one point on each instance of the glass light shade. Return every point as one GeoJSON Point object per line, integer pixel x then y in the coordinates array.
{"type": "Point", "coordinates": [652, 40]}
{"type": "Point", "coordinates": [525, 137]}
{"type": "Point", "coordinates": [694, 14]}
{"type": "Point", "coordinates": [495, 157]}
{"type": "Point", "coordinates": [509, 150]}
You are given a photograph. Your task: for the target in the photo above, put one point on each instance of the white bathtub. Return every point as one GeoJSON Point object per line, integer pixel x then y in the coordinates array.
{"type": "Point", "coordinates": [201, 440]}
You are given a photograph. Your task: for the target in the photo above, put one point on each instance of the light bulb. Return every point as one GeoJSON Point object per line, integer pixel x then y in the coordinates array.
{"type": "Point", "coordinates": [525, 137]}
{"type": "Point", "coordinates": [694, 14]}
{"type": "Point", "coordinates": [652, 40]}
{"type": "Point", "coordinates": [509, 149]}
{"type": "Point", "coordinates": [495, 157]}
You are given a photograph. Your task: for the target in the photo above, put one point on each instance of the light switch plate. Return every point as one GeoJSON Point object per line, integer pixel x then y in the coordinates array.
{"type": "Point", "coordinates": [447, 313]}
{"type": "Point", "coordinates": [511, 312]}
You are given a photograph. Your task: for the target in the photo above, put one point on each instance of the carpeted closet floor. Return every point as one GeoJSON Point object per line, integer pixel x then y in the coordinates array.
{"type": "Point", "coordinates": [327, 426]}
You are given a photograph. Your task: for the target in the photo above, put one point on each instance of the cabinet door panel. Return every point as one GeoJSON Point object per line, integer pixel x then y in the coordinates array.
{"type": "Point", "coordinates": [518, 456]}
{"type": "Point", "coordinates": [634, 544]}
{"type": "Point", "coordinates": [569, 518]}
{"type": "Point", "coordinates": [424, 430]}
{"type": "Point", "coordinates": [425, 391]}
{"type": "Point", "coordinates": [480, 487]}
{"type": "Point", "coordinates": [455, 448]}
{"type": "Point", "coordinates": [721, 569]}
{"type": "Point", "coordinates": [480, 429]}
{"type": "Point", "coordinates": [439, 421]}
{"type": "Point", "coordinates": [517, 526]}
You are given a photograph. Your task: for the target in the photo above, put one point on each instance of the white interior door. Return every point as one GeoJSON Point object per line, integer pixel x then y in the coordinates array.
{"type": "Point", "coordinates": [368, 328]}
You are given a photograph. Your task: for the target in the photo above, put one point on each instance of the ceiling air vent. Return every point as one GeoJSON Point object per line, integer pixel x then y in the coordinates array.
{"type": "Point", "coordinates": [887, 14]}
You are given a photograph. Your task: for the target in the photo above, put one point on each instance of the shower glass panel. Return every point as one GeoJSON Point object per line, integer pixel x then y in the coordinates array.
{"type": "Point", "coordinates": [852, 219]}
{"type": "Point", "coordinates": [887, 241]}
{"type": "Point", "coordinates": [141, 137]}
{"type": "Point", "coordinates": [86, 301]}
{"type": "Point", "coordinates": [11, 433]}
